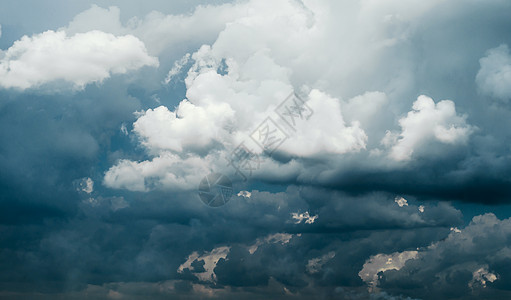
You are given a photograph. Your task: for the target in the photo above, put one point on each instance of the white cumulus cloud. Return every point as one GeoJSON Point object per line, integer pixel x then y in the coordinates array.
{"type": "Point", "coordinates": [83, 58]}
{"type": "Point", "coordinates": [222, 109]}
{"type": "Point", "coordinates": [426, 122]}
{"type": "Point", "coordinates": [167, 171]}
{"type": "Point", "coordinates": [188, 126]}
{"type": "Point", "coordinates": [237, 80]}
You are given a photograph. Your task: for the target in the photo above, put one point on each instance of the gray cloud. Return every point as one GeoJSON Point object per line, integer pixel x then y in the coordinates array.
{"type": "Point", "coordinates": [321, 207]}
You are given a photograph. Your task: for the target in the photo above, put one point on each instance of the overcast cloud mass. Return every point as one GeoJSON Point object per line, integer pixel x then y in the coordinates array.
{"type": "Point", "coordinates": [367, 144]}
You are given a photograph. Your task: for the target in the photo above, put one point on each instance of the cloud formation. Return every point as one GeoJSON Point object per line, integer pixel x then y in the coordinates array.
{"type": "Point", "coordinates": [83, 58]}
{"type": "Point", "coordinates": [368, 195]}
{"type": "Point", "coordinates": [427, 121]}
{"type": "Point", "coordinates": [471, 262]}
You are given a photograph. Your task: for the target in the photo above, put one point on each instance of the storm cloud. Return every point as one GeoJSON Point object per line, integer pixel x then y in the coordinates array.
{"type": "Point", "coordinates": [386, 177]}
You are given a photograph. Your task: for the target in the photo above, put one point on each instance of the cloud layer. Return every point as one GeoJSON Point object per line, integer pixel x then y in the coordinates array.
{"type": "Point", "coordinates": [375, 134]}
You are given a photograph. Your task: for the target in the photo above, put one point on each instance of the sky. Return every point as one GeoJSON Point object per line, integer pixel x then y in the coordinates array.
{"type": "Point", "coordinates": [255, 149]}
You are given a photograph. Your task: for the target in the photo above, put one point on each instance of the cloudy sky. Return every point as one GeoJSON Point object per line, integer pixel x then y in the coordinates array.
{"type": "Point", "coordinates": [367, 144]}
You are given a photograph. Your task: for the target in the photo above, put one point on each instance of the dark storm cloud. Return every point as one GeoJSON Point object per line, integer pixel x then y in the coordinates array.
{"type": "Point", "coordinates": [459, 176]}
{"type": "Point", "coordinates": [148, 240]}
{"type": "Point", "coordinates": [470, 264]}
{"type": "Point", "coordinates": [60, 243]}
{"type": "Point", "coordinates": [51, 140]}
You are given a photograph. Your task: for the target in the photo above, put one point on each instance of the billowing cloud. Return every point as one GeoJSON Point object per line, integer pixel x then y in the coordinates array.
{"type": "Point", "coordinates": [168, 171]}
{"type": "Point", "coordinates": [474, 261]}
{"type": "Point", "coordinates": [53, 56]}
{"type": "Point", "coordinates": [190, 127]}
{"type": "Point", "coordinates": [428, 121]}
{"type": "Point", "coordinates": [99, 185]}
{"type": "Point", "coordinates": [157, 30]}
{"type": "Point", "coordinates": [223, 110]}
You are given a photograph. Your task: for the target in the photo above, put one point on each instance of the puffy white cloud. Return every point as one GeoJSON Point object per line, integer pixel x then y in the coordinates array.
{"type": "Point", "coordinates": [223, 110]}
{"type": "Point", "coordinates": [428, 121]}
{"type": "Point", "coordinates": [325, 131]}
{"type": "Point", "coordinates": [494, 76]}
{"type": "Point", "coordinates": [241, 77]}
{"type": "Point", "coordinates": [189, 126]}
{"type": "Point", "coordinates": [167, 171]}
{"type": "Point", "coordinates": [83, 58]}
